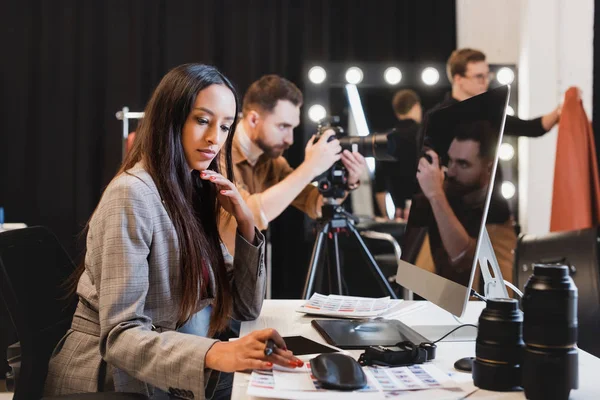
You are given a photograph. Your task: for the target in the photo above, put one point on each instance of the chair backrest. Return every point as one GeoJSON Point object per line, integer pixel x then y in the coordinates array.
{"type": "Point", "coordinates": [580, 250]}
{"type": "Point", "coordinates": [33, 270]}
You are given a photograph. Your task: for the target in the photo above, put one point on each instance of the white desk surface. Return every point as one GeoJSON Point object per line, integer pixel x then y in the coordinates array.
{"type": "Point", "coordinates": [426, 318]}
{"type": "Point", "coordinates": [9, 226]}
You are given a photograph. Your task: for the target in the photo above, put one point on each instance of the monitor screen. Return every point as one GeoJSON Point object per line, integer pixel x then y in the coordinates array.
{"type": "Point", "coordinates": [449, 208]}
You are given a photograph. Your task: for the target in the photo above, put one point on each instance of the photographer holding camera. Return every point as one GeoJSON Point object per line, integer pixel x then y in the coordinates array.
{"type": "Point", "coordinates": [271, 111]}
{"type": "Point", "coordinates": [451, 204]}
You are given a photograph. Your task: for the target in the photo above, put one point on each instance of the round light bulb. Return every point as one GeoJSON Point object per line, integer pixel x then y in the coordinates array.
{"type": "Point", "coordinates": [316, 112]}
{"type": "Point", "coordinates": [317, 75]}
{"type": "Point", "coordinates": [392, 75]}
{"type": "Point", "coordinates": [354, 75]}
{"type": "Point", "coordinates": [506, 152]}
{"type": "Point", "coordinates": [505, 76]}
{"type": "Point", "coordinates": [430, 76]}
{"type": "Point", "coordinates": [508, 190]}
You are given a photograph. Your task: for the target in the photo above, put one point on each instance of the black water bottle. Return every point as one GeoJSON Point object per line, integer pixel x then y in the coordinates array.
{"type": "Point", "coordinates": [550, 361]}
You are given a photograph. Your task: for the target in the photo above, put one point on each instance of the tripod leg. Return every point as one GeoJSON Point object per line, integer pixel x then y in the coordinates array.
{"type": "Point", "coordinates": [335, 257]}
{"type": "Point", "coordinates": [314, 262]}
{"type": "Point", "coordinates": [372, 263]}
{"type": "Point", "coordinates": [333, 264]}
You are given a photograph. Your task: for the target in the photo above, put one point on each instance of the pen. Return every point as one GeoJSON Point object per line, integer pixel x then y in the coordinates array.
{"type": "Point", "coordinates": [270, 347]}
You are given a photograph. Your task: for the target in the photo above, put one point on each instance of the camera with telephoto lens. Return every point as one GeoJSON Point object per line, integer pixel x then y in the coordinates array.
{"type": "Point", "coordinates": [333, 183]}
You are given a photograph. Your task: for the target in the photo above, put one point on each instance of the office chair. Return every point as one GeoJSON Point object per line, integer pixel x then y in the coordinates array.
{"type": "Point", "coordinates": [579, 250]}
{"type": "Point", "coordinates": [33, 270]}
{"type": "Point", "coordinates": [382, 240]}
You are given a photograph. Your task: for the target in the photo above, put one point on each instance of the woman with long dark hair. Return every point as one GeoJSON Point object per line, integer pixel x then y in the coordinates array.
{"type": "Point", "coordinates": [157, 284]}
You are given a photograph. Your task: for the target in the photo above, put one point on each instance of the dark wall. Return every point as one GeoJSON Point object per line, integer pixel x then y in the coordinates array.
{"type": "Point", "coordinates": [68, 66]}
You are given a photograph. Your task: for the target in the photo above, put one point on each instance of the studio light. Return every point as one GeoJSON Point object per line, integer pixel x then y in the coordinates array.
{"type": "Point", "coordinates": [316, 112]}
{"type": "Point", "coordinates": [505, 76]}
{"type": "Point", "coordinates": [392, 75]}
{"type": "Point", "coordinates": [430, 76]}
{"type": "Point", "coordinates": [317, 75]}
{"type": "Point", "coordinates": [356, 108]}
{"type": "Point", "coordinates": [354, 75]}
{"type": "Point", "coordinates": [506, 152]}
{"type": "Point", "coordinates": [508, 190]}
{"type": "Point", "coordinates": [510, 111]}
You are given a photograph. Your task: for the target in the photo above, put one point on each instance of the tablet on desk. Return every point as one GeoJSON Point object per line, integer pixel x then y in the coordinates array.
{"type": "Point", "coordinates": [360, 334]}
{"type": "Point", "coordinates": [299, 345]}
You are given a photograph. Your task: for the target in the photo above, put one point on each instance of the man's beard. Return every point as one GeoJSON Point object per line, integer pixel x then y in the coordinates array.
{"type": "Point", "coordinates": [271, 151]}
{"type": "Point", "coordinates": [455, 189]}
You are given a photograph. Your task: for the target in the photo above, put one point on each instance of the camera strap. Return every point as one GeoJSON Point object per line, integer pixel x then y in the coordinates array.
{"type": "Point", "coordinates": [408, 354]}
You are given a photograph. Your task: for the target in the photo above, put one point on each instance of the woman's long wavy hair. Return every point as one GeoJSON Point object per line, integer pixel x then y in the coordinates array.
{"type": "Point", "coordinates": [191, 203]}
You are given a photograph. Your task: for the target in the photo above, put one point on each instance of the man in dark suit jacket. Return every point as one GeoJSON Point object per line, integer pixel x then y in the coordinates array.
{"type": "Point", "coordinates": [469, 73]}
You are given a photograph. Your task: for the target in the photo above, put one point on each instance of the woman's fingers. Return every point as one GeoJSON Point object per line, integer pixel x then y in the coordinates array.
{"type": "Point", "coordinates": [288, 362]}
{"type": "Point", "coordinates": [256, 364]}
{"type": "Point", "coordinates": [219, 180]}
{"type": "Point", "coordinates": [270, 333]}
{"type": "Point", "coordinates": [284, 353]}
{"type": "Point", "coordinates": [292, 362]}
{"type": "Point", "coordinates": [224, 185]}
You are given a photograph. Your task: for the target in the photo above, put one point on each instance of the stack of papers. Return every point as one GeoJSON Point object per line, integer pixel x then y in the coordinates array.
{"type": "Point", "coordinates": [382, 383]}
{"type": "Point", "coordinates": [347, 306]}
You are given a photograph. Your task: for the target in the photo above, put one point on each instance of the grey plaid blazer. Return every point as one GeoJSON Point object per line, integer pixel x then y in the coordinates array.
{"type": "Point", "coordinates": [122, 337]}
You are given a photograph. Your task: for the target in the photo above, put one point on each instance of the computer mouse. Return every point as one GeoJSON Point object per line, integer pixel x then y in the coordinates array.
{"type": "Point", "coordinates": [338, 371]}
{"type": "Point", "coordinates": [464, 364]}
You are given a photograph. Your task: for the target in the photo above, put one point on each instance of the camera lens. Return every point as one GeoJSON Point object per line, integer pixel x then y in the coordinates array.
{"type": "Point", "coordinates": [550, 333]}
{"type": "Point", "coordinates": [499, 346]}
{"type": "Point", "coordinates": [376, 145]}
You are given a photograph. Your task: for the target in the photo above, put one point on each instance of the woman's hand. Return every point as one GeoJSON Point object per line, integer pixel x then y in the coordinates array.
{"type": "Point", "coordinates": [248, 352]}
{"type": "Point", "coordinates": [232, 202]}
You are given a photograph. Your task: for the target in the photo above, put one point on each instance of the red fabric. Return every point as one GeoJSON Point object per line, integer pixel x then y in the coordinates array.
{"type": "Point", "coordinates": [130, 139]}
{"type": "Point", "coordinates": [576, 197]}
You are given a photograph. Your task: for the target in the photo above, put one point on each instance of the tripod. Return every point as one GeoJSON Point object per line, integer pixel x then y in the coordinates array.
{"type": "Point", "coordinates": [334, 220]}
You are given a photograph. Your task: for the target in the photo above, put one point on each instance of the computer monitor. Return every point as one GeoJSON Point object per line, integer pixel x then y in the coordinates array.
{"type": "Point", "coordinates": [446, 234]}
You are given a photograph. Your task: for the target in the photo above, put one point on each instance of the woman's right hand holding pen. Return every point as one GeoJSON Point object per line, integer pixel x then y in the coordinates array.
{"type": "Point", "coordinates": [248, 352]}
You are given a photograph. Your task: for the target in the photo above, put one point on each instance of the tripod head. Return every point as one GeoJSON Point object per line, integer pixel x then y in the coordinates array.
{"type": "Point", "coordinates": [332, 212]}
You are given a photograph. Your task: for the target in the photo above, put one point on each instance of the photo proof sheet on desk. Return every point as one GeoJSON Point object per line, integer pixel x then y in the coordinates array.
{"type": "Point", "coordinates": [383, 383]}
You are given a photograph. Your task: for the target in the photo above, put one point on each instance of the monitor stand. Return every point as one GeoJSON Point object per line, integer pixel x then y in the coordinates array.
{"type": "Point", "coordinates": [493, 285]}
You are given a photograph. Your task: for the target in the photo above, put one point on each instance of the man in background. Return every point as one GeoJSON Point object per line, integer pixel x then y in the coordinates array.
{"type": "Point", "coordinates": [397, 177]}
{"type": "Point", "coordinates": [271, 111]}
{"type": "Point", "coordinates": [469, 73]}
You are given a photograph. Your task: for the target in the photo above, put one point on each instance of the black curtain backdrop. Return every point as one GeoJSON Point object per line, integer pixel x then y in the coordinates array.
{"type": "Point", "coordinates": [68, 66]}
